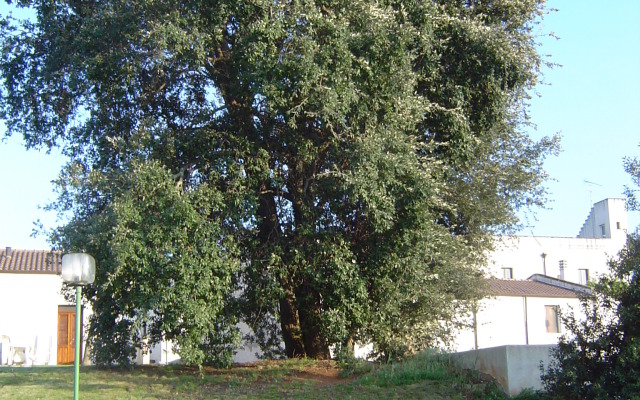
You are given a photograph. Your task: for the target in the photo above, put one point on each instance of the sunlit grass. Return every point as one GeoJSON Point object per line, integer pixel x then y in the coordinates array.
{"type": "Point", "coordinates": [425, 376]}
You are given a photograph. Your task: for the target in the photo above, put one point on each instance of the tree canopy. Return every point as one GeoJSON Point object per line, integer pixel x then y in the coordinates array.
{"type": "Point", "coordinates": [326, 171]}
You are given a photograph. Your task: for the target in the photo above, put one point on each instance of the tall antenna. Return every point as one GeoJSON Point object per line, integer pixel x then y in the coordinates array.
{"type": "Point", "coordinates": [590, 189]}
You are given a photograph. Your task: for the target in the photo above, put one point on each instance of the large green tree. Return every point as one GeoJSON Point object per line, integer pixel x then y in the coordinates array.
{"type": "Point", "coordinates": [330, 171]}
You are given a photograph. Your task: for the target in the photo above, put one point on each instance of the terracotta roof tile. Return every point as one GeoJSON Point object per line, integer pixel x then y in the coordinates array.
{"type": "Point", "coordinates": [508, 287]}
{"type": "Point", "coordinates": [30, 261]}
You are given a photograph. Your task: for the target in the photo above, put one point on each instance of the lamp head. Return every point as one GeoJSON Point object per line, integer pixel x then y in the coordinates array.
{"type": "Point", "coordinates": [78, 269]}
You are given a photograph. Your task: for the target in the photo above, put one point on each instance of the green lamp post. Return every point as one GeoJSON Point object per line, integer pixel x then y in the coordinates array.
{"type": "Point", "coordinates": [78, 269]}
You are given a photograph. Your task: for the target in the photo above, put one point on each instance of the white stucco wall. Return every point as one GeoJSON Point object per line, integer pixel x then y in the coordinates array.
{"type": "Point", "coordinates": [610, 213]}
{"type": "Point", "coordinates": [29, 313]}
{"type": "Point", "coordinates": [590, 250]}
{"type": "Point", "coordinates": [523, 254]}
{"type": "Point", "coordinates": [163, 353]}
{"type": "Point", "coordinates": [501, 321]}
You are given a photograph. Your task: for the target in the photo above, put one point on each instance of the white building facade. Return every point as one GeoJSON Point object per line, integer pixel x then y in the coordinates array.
{"type": "Point", "coordinates": [577, 259]}
{"type": "Point", "coordinates": [37, 324]}
{"type": "Point", "coordinates": [535, 279]}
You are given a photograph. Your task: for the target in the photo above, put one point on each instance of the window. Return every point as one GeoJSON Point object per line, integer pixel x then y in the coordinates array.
{"type": "Point", "coordinates": [507, 273]}
{"type": "Point", "coordinates": [603, 230]}
{"type": "Point", "coordinates": [583, 276]}
{"type": "Point", "coordinates": [617, 225]}
{"type": "Point", "coordinates": [552, 319]}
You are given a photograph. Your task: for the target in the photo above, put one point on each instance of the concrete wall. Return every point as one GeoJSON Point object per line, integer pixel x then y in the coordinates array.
{"type": "Point", "coordinates": [29, 313]}
{"type": "Point", "coordinates": [514, 367]}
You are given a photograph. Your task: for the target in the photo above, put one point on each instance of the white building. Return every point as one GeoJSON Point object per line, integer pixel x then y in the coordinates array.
{"type": "Point", "coordinates": [576, 259]}
{"type": "Point", "coordinates": [37, 325]}
{"type": "Point", "coordinates": [518, 312]}
{"type": "Point", "coordinates": [536, 278]}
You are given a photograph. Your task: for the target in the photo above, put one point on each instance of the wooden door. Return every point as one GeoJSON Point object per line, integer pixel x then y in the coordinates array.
{"type": "Point", "coordinates": [66, 336]}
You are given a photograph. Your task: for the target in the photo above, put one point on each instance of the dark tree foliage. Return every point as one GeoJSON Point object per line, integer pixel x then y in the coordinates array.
{"type": "Point", "coordinates": [328, 171]}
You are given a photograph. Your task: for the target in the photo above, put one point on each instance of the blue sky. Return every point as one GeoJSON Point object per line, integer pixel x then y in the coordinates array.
{"type": "Point", "coordinates": [593, 101]}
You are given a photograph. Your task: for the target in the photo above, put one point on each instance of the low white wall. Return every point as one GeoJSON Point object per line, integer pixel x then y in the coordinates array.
{"type": "Point", "coordinates": [514, 367]}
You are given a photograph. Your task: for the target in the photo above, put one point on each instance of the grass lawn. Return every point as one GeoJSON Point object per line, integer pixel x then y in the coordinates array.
{"type": "Point", "coordinates": [420, 378]}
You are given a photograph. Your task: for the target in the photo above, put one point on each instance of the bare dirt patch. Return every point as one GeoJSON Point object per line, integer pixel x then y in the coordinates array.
{"type": "Point", "coordinates": [322, 373]}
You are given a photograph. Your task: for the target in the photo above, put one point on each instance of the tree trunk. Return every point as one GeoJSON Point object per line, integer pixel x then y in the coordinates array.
{"type": "Point", "coordinates": [290, 324]}
{"type": "Point", "coordinates": [307, 299]}
{"type": "Point", "coordinates": [289, 320]}
{"type": "Point", "coordinates": [315, 344]}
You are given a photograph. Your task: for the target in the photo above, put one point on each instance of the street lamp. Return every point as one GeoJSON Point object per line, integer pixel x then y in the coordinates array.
{"type": "Point", "coordinates": [78, 269]}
